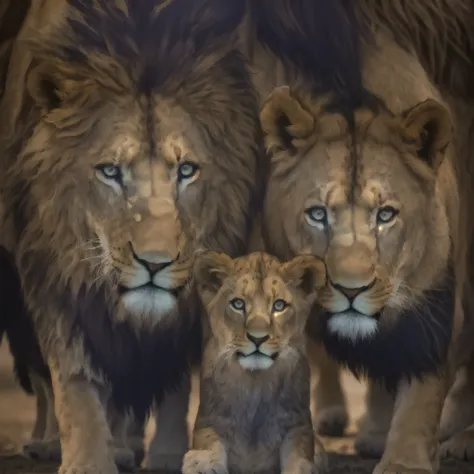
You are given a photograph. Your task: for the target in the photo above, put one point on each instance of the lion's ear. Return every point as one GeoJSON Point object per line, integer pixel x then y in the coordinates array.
{"type": "Point", "coordinates": [429, 126]}
{"type": "Point", "coordinates": [284, 119]}
{"type": "Point", "coordinates": [43, 87]}
{"type": "Point", "coordinates": [305, 272]}
{"type": "Point", "coordinates": [211, 269]}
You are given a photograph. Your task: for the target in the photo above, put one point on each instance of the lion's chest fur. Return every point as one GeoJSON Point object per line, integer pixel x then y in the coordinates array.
{"type": "Point", "coordinates": [253, 419]}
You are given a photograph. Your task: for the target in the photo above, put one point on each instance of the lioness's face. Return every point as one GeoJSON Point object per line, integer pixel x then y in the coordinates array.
{"type": "Point", "coordinates": [258, 306]}
{"type": "Point", "coordinates": [365, 201]}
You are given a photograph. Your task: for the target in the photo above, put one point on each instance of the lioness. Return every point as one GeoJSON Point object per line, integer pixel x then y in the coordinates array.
{"type": "Point", "coordinates": [374, 193]}
{"type": "Point", "coordinates": [254, 413]}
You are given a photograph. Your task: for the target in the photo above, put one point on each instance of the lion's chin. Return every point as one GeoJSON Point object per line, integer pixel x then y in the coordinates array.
{"type": "Point", "coordinates": [352, 326]}
{"type": "Point", "coordinates": [255, 361]}
{"type": "Point", "coordinates": [149, 304]}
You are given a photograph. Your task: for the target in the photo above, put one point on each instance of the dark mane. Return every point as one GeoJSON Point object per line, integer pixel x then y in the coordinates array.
{"type": "Point", "coordinates": [152, 40]}
{"type": "Point", "coordinates": [321, 38]}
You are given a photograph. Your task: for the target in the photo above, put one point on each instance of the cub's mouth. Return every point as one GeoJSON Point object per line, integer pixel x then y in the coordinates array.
{"type": "Point", "coordinates": [256, 360]}
{"type": "Point", "coordinates": [257, 353]}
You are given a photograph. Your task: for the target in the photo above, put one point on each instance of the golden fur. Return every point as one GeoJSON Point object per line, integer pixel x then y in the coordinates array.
{"type": "Point", "coordinates": [254, 411]}
{"type": "Point", "coordinates": [116, 171]}
{"type": "Point", "coordinates": [312, 167]}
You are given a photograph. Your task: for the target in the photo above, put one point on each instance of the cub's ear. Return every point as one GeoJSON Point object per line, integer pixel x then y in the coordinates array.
{"type": "Point", "coordinates": [429, 126]}
{"type": "Point", "coordinates": [210, 270]}
{"type": "Point", "coordinates": [43, 87]}
{"type": "Point", "coordinates": [284, 120]}
{"type": "Point", "coordinates": [306, 272]}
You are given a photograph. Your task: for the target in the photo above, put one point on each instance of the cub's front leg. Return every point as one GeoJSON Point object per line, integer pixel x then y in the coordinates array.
{"type": "Point", "coordinates": [86, 441]}
{"type": "Point", "coordinates": [297, 453]}
{"type": "Point", "coordinates": [208, 455]}
{"type": "Point", "coordinates": [412, 441]}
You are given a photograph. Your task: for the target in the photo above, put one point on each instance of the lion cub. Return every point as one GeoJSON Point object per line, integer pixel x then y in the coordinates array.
{"type": "Point", "coordinates": [254, 414]}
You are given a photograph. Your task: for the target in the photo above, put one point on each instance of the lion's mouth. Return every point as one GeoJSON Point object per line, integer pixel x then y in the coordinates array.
{"type": "Point", "coordinates": [257, 353]}
{"type": "Point", "coordinates": [150, 286]}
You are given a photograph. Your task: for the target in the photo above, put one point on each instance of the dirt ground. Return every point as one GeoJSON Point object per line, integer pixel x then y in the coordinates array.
{"type": "Point", "coordinates": [17, 416]}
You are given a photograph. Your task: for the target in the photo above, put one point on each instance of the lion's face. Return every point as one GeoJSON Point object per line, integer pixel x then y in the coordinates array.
{"type": "Point", "coordinates": [127, 186]}
{"type": "Point", "coordinates": [366, 201]}
{"type": "Point", "coordinates": [258, 306]}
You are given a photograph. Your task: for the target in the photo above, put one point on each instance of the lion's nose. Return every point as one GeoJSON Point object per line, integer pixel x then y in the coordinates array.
{"type": "Point", "coordinates": [258, 341]}
{"type": "Point", "coordinates": [351, 293]}
{"type": "Point", "coordinates": [154, 262]}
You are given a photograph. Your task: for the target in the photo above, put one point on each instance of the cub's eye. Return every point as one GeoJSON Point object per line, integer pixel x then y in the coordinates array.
{"type": "Point", "coordinates": [187, 170]}
{"type": "Point", "coordinates": [386, 214]}
{"type": "Point", "coordinates": [238, 304]}
{"type": "Point", "coordinates": [279, 306]}
{"type": "Point", "coordinates": [110, 171]}
{"type": "Point", "coordinates": [316, 215]}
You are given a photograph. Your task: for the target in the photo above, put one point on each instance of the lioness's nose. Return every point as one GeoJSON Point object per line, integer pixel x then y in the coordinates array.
{"type": "Point", "coordinates": [153, 261]}
{"type": "Point", "coordinates": [351, 293]}
{"type": "Point", "coordinates": [258, 341]}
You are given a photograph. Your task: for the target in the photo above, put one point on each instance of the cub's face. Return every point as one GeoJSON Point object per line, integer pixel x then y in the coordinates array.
{"type": "Point", "coordinates": [258, 306]}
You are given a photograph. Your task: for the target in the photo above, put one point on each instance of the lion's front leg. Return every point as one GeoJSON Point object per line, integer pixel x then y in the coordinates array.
{"type": "Point", "coordinates": [86, 442]}
{"type": "Point", "coordinates": [331, 417]}
{"type": "Point", "coordinates": [412, 441]}
{"type": "Point", "coordinates": [373, 430]}
{"type": "Point", "coordinates": [170, 442]}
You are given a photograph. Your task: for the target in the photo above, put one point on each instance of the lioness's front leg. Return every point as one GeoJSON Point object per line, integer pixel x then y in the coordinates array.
{"type": "Point", "coordinates": [208, 456]}
{"type": "Point", "coordinates": [86, 441]}
{"type": "Point", "coordinates": [297, 454]}
{"type": "Point", "coordinates": [412, 441]}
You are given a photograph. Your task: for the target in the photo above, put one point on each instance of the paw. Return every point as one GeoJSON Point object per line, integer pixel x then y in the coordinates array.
{"type": "Point", "coordinates": [303, 466]}
{"type": "Point", "coordinates": [370, 444]}
{"type": "Point", "coordinates": [43, 450]}
{"type": "Point", "coordinates": [85, 468]}
{"type": "Point", "coordinates": [331, 421]}
{"type": "Point", "coordinates": [124, 458]}
{"type": "Point", "coordinates": [400, 467]}
{"type": "Point", "coordinates": [460, 446]}
{"type": "Point", "coordinates": [202, 462]}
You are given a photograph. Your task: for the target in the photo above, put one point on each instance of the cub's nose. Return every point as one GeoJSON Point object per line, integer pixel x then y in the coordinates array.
{"type": "Point", "coordinates": [257, 340]}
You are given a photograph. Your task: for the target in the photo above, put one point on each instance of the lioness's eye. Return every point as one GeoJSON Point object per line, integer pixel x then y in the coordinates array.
{"type": "Point", "coordinates": [316, 215]}
{"type": "Point", "coordinates": [279, 305]}
{"type": "Point", "coordinates": [110, 171]}
{"type": "Point", "coordinates": [238, 304]}
{"type": "Point", "coordinates": [386, 214]}
{"type": "Point", "coordinates": [187, 170]}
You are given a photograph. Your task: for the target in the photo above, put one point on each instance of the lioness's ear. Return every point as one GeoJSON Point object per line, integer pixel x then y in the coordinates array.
{"type": "Point", "coordinates": [210, 270]}
{"type": "Point", "coordinates": [284, 119]}
{"type": "Point", "coordinates": [429, 125]}
{"type": "Point", "coordinates": [306, 272]}
{"type": "Point", "coordinates": [43, 88]}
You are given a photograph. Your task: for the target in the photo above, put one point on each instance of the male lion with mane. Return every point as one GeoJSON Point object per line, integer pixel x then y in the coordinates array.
{"type": "Point", "coordinates": [132, 140]}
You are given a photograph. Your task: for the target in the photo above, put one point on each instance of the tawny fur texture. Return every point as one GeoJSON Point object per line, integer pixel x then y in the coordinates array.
{"type": "Point", "coordinates": [384, 187]}
{"type": "Point", "coordinates": [123, 155]}
{"type": "Point", "coordinates": [254, 412]}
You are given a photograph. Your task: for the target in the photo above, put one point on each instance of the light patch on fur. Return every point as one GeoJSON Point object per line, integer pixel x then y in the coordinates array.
{"type": "Point", "coordinates": [353, 326]}
{"type": "Point", "coordinates": [256, 362]}
{"type": "Point", "coordinates": [149, 303]}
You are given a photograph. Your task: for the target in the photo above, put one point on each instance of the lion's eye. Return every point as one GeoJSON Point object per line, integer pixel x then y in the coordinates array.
{"type": "Point", "coordinates": [279, 306]}
{"type": "Point", "coordinates": [187, 170]}
{"type": "Point", "coordinates": [238, 304]}
{"type": "Point", "coordinates": [316, 215]}
{"type": "Point", "coordinates": [386, 214]}
{"type": "Point", "coordinates": [110, 171]}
